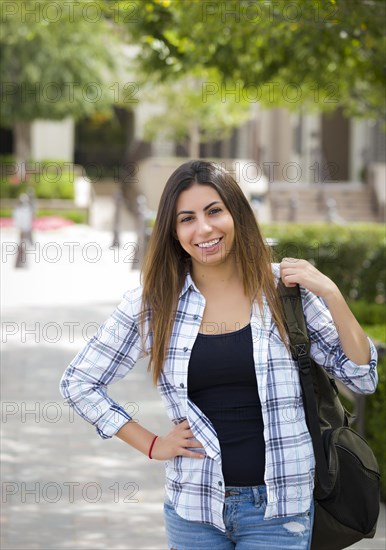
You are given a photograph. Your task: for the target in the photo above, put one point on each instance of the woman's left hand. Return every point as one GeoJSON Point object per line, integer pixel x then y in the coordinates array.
{"type": "Point", "coordinates": [352, 338]}
{"type": "Point", "coordinates": [295, 271]}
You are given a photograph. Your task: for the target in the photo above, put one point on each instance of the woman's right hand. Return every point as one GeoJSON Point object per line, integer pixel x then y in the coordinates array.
{"type": "Point", "coordinates": [177, 443]}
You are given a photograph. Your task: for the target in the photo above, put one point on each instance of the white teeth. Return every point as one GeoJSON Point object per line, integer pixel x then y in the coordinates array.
{"type": "Point", "coordinates": [209, 243]}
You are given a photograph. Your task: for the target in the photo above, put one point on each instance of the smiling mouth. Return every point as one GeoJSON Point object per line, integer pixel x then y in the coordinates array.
{"type": "Point", "coordinates": [209, 244]}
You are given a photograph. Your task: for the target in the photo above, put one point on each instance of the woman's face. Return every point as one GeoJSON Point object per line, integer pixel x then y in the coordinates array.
{"type": "Point", "coordinates": [204, 225]}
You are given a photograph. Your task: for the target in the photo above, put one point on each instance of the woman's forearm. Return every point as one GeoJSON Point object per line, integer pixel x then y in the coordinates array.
{"type": "Point", "coordinates": [352, 338]}
{"type": "Point", "coordinates": [136, 435]}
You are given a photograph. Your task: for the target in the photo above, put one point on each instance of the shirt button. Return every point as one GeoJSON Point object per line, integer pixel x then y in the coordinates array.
{"type": "Point", "coordinates": [195, 317]}
{"type": "Point", "coordinates": [220, 483]}
{"type": "Point", "coordinates": [182, 385]}
{"type": "Point", "coordinates": [185, 349]}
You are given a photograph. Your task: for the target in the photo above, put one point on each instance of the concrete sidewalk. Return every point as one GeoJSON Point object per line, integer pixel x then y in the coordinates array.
{"type": "Point", "coordinates": [62, 486]}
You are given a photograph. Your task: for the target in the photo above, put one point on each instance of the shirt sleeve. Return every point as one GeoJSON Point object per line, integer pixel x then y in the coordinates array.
{"type": "Point", "coordinates": [326, 348]}
{"type": "Point", "coordinates": [106, 358]}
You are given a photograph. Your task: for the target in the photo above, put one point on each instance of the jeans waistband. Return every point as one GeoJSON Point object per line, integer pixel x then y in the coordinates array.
{"type": "Point", "coordinates": [251, 494]}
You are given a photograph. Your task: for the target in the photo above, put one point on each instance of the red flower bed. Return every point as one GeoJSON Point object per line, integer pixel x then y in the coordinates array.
{"type": "Point", "coordinates": [44, 223]}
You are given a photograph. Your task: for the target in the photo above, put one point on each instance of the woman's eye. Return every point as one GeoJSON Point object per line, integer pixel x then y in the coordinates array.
{"type": "Point", "coordinates": [190, 218]}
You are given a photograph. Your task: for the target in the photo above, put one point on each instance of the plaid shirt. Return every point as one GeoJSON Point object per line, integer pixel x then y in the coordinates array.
{"type": "Point", "coordinates": [196, 487]}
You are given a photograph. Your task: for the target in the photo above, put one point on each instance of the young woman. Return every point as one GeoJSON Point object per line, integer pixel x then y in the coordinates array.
{"type": "Point", "coordinates": [239, 459]}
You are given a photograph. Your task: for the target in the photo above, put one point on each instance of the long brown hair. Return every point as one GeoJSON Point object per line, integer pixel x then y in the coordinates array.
{"type": "Point", "coordinates": [166, 262]}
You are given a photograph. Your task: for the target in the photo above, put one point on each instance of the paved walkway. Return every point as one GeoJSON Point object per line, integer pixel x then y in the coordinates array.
{"type": "Point", "coordinates": [62, 486]}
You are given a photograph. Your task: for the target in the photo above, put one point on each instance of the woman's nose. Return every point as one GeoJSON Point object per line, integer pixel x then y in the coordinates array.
{"type": "Point", "coordinates": [204, 226]}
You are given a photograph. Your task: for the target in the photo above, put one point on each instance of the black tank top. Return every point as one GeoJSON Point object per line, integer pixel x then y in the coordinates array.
{"type": "Point", "coordinates": [222, 383]}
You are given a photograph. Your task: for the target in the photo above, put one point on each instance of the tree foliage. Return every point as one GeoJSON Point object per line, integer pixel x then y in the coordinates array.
{"type": "Point", "coordinates": [190, 113]}
{"type": "Point", "coordinates": [320, 54]}
{"type": "Point", "coordinates": [57, 60]}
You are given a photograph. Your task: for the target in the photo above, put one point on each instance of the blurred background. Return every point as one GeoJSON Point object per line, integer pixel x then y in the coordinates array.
{"type": "Point", "coordinates": [100, 102]}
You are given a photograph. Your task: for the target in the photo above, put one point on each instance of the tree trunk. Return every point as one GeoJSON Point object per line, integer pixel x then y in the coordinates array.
{"type": "Point", "coordinates": [194, 141]}
{"type": "Point", "coordinates": [22, 146]}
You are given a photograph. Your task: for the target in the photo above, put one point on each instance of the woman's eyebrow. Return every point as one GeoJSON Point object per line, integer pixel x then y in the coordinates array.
{"type": "Point", "coordinates": [204, 209]}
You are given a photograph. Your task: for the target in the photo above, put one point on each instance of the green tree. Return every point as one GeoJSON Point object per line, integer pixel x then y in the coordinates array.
{"type": "Point", "coordinates": [189, 115]}
{"type": "Point", "coordinates": [57, 60]}
{"type": "Point", "coordinates": [320, 54]}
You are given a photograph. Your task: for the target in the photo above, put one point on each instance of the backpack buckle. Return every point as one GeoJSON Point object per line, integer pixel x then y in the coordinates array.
{"type": "Point", "coordinates": [304, 363]}
{"type": "Point", "coordinates": [301, 350]}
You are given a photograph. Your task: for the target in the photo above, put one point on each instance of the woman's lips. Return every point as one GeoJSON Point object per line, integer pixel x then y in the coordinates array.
{"type": "Point", "coordinates": [210, 246]}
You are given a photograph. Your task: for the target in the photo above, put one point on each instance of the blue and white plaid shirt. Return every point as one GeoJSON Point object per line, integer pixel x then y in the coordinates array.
{"type": "Point", "coordinates": [196, 487]}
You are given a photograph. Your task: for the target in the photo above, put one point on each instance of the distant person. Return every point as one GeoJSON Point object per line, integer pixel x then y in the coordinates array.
{"type": "Point", "coordinates": [239, 457]}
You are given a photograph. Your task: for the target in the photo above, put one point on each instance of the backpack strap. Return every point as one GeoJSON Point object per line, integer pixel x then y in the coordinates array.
{"type": "Point", "coordinates": [300, 348]}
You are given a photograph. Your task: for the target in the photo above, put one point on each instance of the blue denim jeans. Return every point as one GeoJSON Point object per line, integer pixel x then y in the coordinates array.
{"type": "Point", "coordinates": [245, 527]}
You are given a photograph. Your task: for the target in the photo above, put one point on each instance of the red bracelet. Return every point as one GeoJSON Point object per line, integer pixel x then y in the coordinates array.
{"type": "Point", "coordinates": [151, 446]}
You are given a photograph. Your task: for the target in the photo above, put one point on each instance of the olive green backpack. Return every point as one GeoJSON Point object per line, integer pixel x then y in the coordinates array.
{"type": "Point", "coordinates": [347, 480]}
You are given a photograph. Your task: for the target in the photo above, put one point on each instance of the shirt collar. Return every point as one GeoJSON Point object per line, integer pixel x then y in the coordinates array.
{"type": "Point", "coordinates": [188, 285]}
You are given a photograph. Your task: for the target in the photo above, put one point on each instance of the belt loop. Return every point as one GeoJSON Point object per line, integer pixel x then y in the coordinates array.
{"type": "Point", "coordinates": [256, 495]}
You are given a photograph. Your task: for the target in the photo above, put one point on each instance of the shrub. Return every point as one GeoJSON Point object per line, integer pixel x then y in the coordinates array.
{"type": "Point", "coordinates": [48, 187]}
{"type": "Point", "coordinates": [77, 216]}
{"type": "Point", "coordinates": [10, 186]}
{"type": "Point", "coordinates": [11, 189]}
{"type": "Point", "coordinates": [375, 426]}
{"type": "Point", "coordinates": [376, 332]}
{"type": "Point", "coordinates": [368, 314]}
{"type": "Point", "coordinates": [352, 255]}
{"type": "Point", "coordinates": [65, 188]}
{"type": "Point", "coordinates": [55, 180]}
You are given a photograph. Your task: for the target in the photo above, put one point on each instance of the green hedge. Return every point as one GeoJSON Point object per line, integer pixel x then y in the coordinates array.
{"type": "Point", "coordinates": [55, 181]}
{"type": "Point", "coordinates": [375, 423]}
{"type": "Point", "coordinates": [47, 186]}
{"type": "Point", "coordinates": [377, 332]}
{"type": "Point", "coordinates": [372, 317]}
{"type": "Point", "coordinates": [77, 216]}
{"type": "Point", "coordinates": [352, 255]}
{"type": "Point", "coordinates": [375, 432]}
{"type": "Point", "coordinates": [62, 188]}
{"type": "Point", "coordinates": [10, 189]}
{"type": "Point", "coordinates": [369, 314]}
